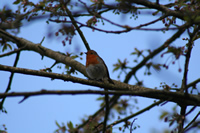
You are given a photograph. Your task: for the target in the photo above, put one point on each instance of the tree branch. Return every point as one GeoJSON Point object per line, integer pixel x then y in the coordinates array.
{"type": "Point", "coordinates": [111, 104]}
{"type": "Point", "coordinates": [182, 119]}
{"type": "Point", "coordinates": [180, 96]}
{"type": "Point", "coordinates": [10, 80]}
{"type": "Point", "coordinates": [127, 28]}
{"type": "Point", "coordinates": [168, 42]}
{"type": "Point", "coordinates": [187, 59]}
{"type": "Point", "coordinates": [159, 7]}
{"type": "Point", "coordinates": [107, 110]}
{"type": "Point", "coordinates": [184, 80]}
{"type": "Point", "coordinates": [156, 51]}
{"type": "Point", "coordinates": [11, 52]}
{"type": "Point", "coordinates": [59, 57]}
{"type": "Point", "coordinates": [176, 97]}
{"type": "Point", "coordinates": [193, 83]}
{"type": "Point", "coordinates": [15, 23]}
{"type": "Point", "coordinates": [77, 28]}
{"type": "Point", "coordinates": [12, 74]}
{"type": "Point", "coordinates": [187, 128]}
{"type": "Point", "coordinates": [135, 114]}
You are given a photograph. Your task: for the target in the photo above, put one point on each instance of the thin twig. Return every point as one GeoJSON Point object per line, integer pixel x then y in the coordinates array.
{"type": "Point", "coordinates": [136, 114]}
{"type": "Point", "coordinates": [187, 59]}
{"type": "Point", "coordinates": [107, 110]}
{"type": "Point", "coordinates": [132, 125]}
{"type": "Point", "coordinates": [192, 109]}
{"type": "Point", "coordinates": [194, 125]}
{"type": "Point", "coordinates": [10, 80]}
{"type": "Point", "coordinates": [159, 7]}
{"type": "Point", "coordinates": [181, 122]}
{"type": "Point", "coordinates": [136, 27]}
{"type": "Point", "coordinates": [184, 80]}
{"type": "Point", "coordinates": [193, 83]}
{"type": "Point", "coordinates": [42, 41]}
{"type": "Point", "coordinates": [11, 52]}
{"type": "Point", "coordinates": [193, 120]}
{"type": "Point", "coordinates": [77, 28]}
{"type": "Point", "coordinates": [127, 28]}
{"type": "Point", "coordinates": [54, 64]}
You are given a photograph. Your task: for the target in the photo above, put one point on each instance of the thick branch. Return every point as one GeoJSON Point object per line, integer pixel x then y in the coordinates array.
{"type": "Point", "coordinates": [59, 57]}
{"type": "Point", "coordinates": [176, 97]}
{"type": "Point", "coordinates": [149, 93]}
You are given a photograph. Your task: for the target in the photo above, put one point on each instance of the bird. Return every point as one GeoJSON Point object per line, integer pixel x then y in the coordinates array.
{"type": "Point", "coordinates": [96, 68]}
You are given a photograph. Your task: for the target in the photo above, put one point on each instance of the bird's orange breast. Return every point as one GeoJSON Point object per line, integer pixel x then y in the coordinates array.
{"type": "Point", "coordinates": [91, 59]}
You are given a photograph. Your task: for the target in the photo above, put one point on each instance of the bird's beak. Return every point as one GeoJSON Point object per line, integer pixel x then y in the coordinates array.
{"type": "Point", "coordinates": [85, 52]}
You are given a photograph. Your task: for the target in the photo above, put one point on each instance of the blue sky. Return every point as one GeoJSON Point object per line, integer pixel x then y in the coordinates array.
{"type": "Point", "coordinates": [38, 114]}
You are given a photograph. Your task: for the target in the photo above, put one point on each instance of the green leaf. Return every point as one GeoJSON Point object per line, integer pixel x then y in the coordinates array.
{"type": "Point", "coordinates": [119, 61]}
{"type": "Point", "coordinates": [116, 68]}
{"type": "Point", "coordinates": [100, 98]}
{"type": "Point", "coordinates": [9, 46]}
{"type": "Point", "coordinates": [156, 67]}
{"type": "Point", "coordinates": [4, 48]}
{"type": "Point", "coordinates": [2, 131]}
{"type": "Point", "coordinates": [70, 125]}
{"type": "Point", "coordinates": [171, 123]}
{"type": "Point", "coordinates": [74, 56]}
{"type": "Point", "coordinates": [164, 114]}
{"type": "Point", "coordinates": [133, 53]}
{"type": "Point", "coordinates": [58, 124]}
{"type": "Point", "coordinates": [41, 4]}
{"type": "Point", "coordinates": [16, 2]}
{"type": "Point", "coordinates": [67, 67]}
{"type": "Point", "coordinates": [155, 13]}
{"type": "Point", "coordinates": [197, 19]}
{"type": "Point", "coordinates": [187, 18]}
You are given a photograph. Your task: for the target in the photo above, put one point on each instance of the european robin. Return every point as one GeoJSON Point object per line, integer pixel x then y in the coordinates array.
{"type": "Point", "coordinates": [96, 68]}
